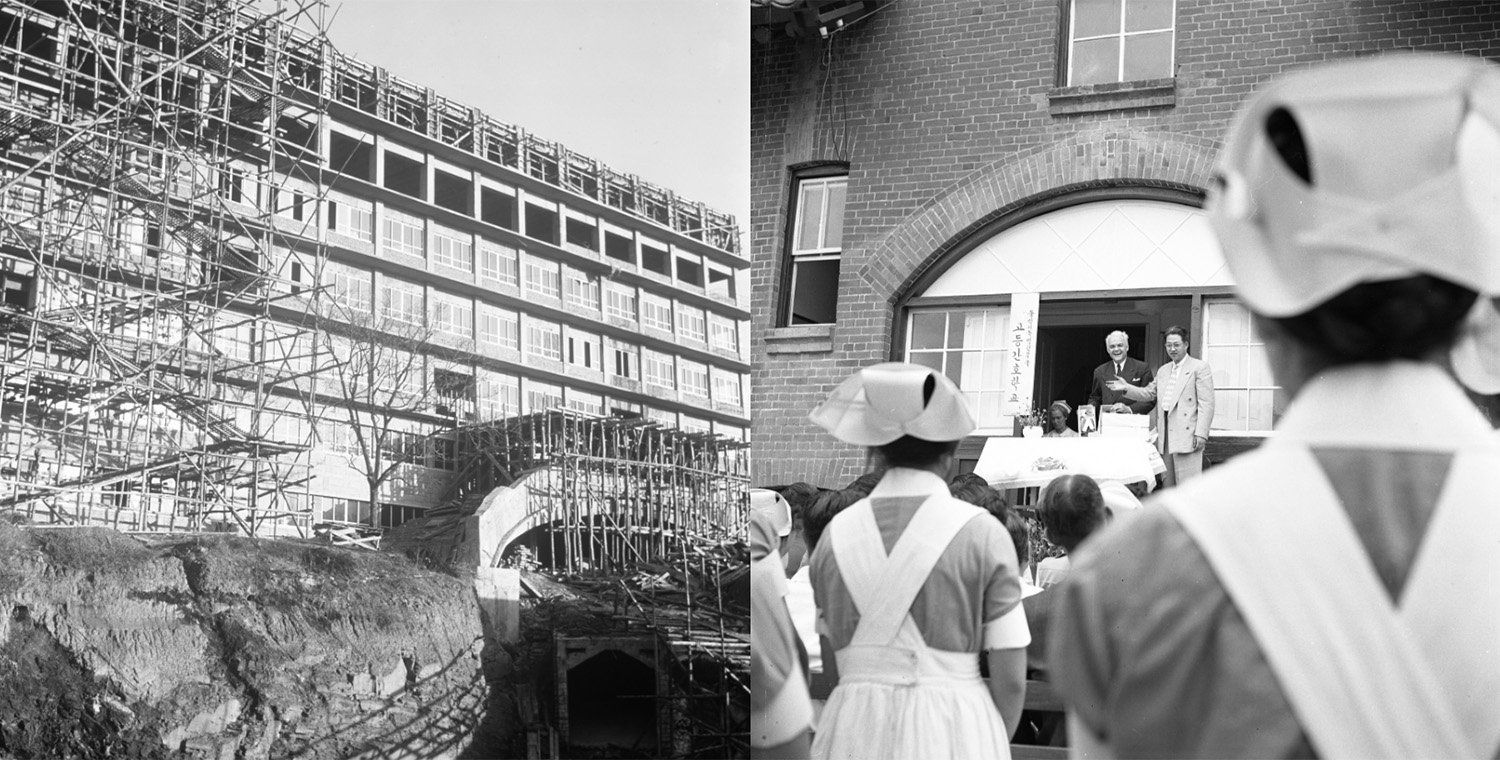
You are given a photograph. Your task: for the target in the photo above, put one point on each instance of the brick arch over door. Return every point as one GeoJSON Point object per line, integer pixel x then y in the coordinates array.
{"type": "Point", "coordinates": [905, 258]}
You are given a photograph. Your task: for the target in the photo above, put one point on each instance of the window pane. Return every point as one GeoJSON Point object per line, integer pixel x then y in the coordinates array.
{"type": "Point", "coordinates": [957, 328]}
{"type": "Point", "coordinates": [1262, 406]}
{"type": "Point", "coordinates": [927, 330]}
{"type": "Point", "coordinates": [1148, 56]}
{"type": "Point", "coordinates": [1092, 18]}
{"type": "Point", "coordinates": [974, 336]}
{"type": "Point", "coordinates": [956, 369]}
{"type": "Point", "coordinates": [1141, 15]}
{"type": "Point", "coordinates": [1096, 61]}
{"type": "Point", "coordinates": [1257, 368]}
{"type": "Point", "coordinates": [815, 291]}
{"type": "Point", "coordinates": [987, 411]}
{"type": "Point", "coordinates": [994, 363]}
{"type": "Point", "coordinates": [1227, 323]}
{"type": "Point", "coordinates": [1228, 364]}
{"type": "Point", "coordinates": [1229, 409]}
{"type": "Point", "coordinates": [834, 220]}
{"type": "Point", "coordinates": [933, 359]}
{"type": "Point", "coordinates": [810, 214]}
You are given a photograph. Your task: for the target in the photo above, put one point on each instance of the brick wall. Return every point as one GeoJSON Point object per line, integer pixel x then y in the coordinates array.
{"type": "Point", "coordinates": [949, 115]}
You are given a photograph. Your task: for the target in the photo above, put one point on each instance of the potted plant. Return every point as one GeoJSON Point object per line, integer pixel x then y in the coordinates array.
{"type": "Point", "coordinates": [1031, 423]}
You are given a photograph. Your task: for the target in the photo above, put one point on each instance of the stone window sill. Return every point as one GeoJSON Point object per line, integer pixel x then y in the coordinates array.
{"type": "Point", "coordinates": [802, 339]}
{"type": "Point", "coordinates": [1114, 96]}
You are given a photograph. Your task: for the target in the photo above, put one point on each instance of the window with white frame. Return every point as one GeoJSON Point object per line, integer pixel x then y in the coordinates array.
{"type": "Point", "coordinates": [619, 301]}
{"type": "Point", "coordinates": [544, 339]}
{"type": "Point", "coordinates": [351, 216]}
{"type": "Point", "coordinates": [817, 243]}
{"type": "Point", "coordinates": [499, 396]}
{"type": "Point", "coordinates": [693, 425]}
{"type": "Point", "coordinates": [1246, 397]}
{"type": "Point", "coordinates": [499, 327]}
{"type": "Point", "coordinates": [498, 263]}
{"type": "Point", "coordinates": [581, 289]}
{"type": "Point", "coordinates": [660, 416]}
{"type": "Point", "coordinates": [542, 396]}
{"type": "Point", "coordinates": [591, 404]}
{"type": "Point", "coordinates": [657, 369]}
{"type": "Point", "coordinates": [656, 312]}
{"type": "Point", "coordinates": [402, 301]}
{"type": "Point", "coordinates": [542, 277]}
{"type": "Point", "coordinates": [726, 387]}
{"type": "Point", "coordinates": [969, 346]}
{"type": "Point", "coordinates": [350, 288]}
{"type": "Point", "coordinates": [692, 377]}
{"type": "Point", "coordinates": [452, 248]}
{"type": "Point", "coordinates": [453, 315]}
{"type": "Point", "coordinates": [1120, 40]}
{"type": "Point", "coordinates": [625, 360]}
{"type": "Point", "coordinates": [721, 333]}
{"type": "Point", "coordinates": [583, 350]}
{"type": "Point", "coordinates": [691, 324]}
{"type": "Point", "coordinates": [402, 233]}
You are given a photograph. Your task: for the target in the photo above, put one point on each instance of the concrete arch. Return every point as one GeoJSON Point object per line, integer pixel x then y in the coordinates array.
{"type": "Point", "coordinates": [1083, 161]}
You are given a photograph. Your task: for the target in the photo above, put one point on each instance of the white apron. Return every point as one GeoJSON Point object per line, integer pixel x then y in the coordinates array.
{"type": "Point", "coordinates": [898, 699]}
{"type": "Point", "coordinates": [1365, 678]}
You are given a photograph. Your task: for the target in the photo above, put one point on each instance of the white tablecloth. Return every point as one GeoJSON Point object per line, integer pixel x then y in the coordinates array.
{"type": "Point", "coordinates": [1011, 462]}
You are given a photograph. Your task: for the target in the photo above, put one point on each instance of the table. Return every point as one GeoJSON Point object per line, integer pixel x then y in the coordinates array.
{"type": "Point", "coordinates": [1010, 462]}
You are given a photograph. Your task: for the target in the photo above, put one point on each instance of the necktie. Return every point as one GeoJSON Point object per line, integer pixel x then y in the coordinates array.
{"type": "Point", "coordinates": [1171, 383]}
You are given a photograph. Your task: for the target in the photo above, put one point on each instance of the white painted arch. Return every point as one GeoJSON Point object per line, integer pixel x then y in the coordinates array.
{"type": "Point", "coordinates": [1100, 245]}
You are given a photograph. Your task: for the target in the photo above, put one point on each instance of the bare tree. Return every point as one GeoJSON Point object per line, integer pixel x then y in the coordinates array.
{"type": "Point", "coordinates": [378, 366]}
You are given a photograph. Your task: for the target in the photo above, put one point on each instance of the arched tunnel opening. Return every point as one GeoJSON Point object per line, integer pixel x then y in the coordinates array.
{"type": "Point", "coordinates": [612, 702]}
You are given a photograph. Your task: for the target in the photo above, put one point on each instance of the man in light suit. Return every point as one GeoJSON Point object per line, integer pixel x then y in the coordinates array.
{"type": "Point", "coordinates": [1120, 366]}
{"type": "Point", "coordinates": [1184, 395]}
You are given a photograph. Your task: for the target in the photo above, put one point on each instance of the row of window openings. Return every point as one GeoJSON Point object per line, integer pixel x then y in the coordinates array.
{"type": "Point", "coordinates": [406, 235]}
{"type": "Point", "coordinates": [405, 304]}
{"type": "Point", "coordinates": [404, 175]}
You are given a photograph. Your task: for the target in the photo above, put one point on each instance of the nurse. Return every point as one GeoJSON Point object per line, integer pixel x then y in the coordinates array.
{"type": "Point", "coordinates": [1331, 593]}
{"type": "Point", "coordinates": [913, 585]}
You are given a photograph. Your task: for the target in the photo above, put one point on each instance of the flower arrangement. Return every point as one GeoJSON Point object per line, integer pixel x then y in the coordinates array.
{"type": "Point", "coordinates": [1033, 418]}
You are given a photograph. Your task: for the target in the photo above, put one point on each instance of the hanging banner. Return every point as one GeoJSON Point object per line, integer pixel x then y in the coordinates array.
{"type": "Point", "coordinates": [1021, 370]}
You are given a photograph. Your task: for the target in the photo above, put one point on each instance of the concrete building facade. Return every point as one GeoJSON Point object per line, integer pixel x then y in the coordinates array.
{"type": "Point", "coordinates": [209, 212]}
{"type": "Point", "coordinates": [925, 172]}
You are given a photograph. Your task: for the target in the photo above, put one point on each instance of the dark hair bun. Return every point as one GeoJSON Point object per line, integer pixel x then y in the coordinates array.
{"type": "Point", "coordinates": [1380, 321]}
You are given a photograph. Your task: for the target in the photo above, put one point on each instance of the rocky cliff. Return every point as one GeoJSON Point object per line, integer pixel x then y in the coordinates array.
{"type": "Point", "coordinates": [225, 647]}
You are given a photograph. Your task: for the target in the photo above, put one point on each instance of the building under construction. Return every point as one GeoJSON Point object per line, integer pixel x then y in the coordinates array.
{"type": "Point", "coordinates": [649, 521]}
{"type": "Point", "coordinates": [206, 213]}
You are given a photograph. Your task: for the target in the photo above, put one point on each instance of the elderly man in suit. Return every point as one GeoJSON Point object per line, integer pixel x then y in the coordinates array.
{"type": "Point", "coordinates": [1184, 394]}
{"type": "Point", "coordinates": [1120, 366]}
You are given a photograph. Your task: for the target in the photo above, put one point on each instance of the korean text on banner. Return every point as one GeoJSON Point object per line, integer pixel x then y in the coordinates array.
{"type": "Point", "coordinates": [1020, 373]}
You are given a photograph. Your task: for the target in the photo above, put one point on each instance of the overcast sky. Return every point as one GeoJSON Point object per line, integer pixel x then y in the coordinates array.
{"type": "Point", "coordinates": [655, 88]}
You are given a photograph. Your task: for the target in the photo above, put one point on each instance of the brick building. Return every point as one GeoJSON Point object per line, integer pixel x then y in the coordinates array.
{"type": "Point", "coordinates": [921, 168]}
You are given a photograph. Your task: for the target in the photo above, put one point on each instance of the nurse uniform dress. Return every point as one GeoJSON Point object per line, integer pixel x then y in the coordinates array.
{"type": "Point", "coordinates": [913, 584]}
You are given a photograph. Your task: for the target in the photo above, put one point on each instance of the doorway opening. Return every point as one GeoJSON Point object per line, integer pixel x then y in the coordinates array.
{"type": "Point", "coordinates": [1070, 342]}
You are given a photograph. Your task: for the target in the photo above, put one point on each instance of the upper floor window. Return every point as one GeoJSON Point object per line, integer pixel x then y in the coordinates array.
{"type": "Point", "coordinates": [656, 312]}
{"type": "Point", "coordinates": [403, 233]}
{"type": "Point", "coordinates": [452, 248]}
{"type": "Point", "coordinates": [1119, 40]}
{"type": "Point", "coordinates": [817, 241]}
{"type": "Point", "coordinates": [497, 262]}
{"type": "Point", "coordinates": [581, 289]}
{"type": "Point", "coordinates": [542, 277]}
